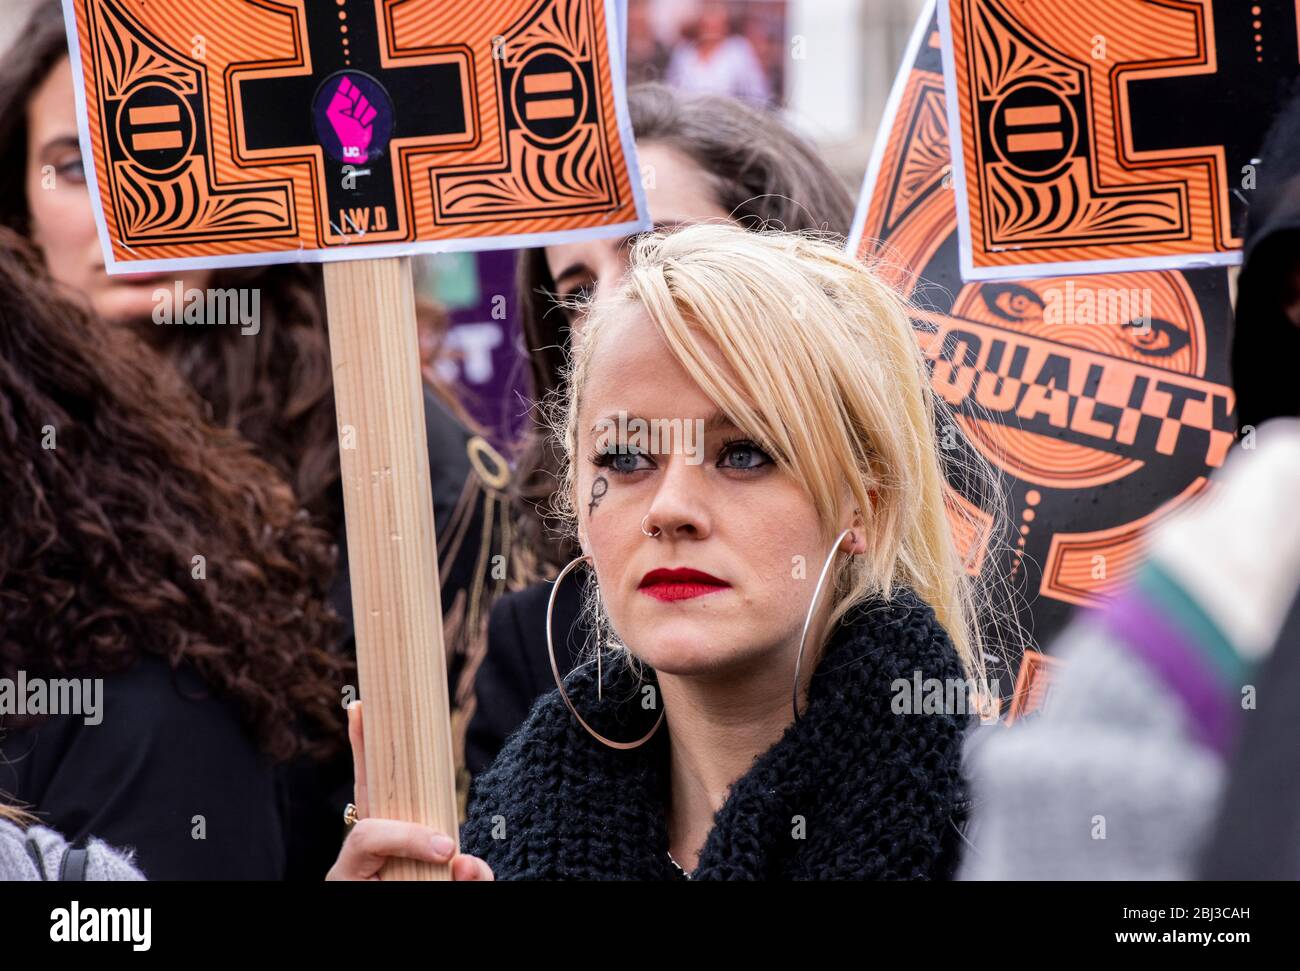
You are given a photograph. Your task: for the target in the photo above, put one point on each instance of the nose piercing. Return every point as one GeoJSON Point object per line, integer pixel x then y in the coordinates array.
{"type": "Point", "coordinates": [657, 531]}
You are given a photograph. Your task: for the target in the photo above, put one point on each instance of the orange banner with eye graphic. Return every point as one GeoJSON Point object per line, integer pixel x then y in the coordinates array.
{"type": "Point", "coordinates": [249, 131]}
{"type": "Point", "coordinates": [1103, 397]}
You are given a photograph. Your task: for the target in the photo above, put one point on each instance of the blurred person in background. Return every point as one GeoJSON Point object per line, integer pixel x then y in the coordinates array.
{"type": "Point", "coordinates": [712, 58]}
{"type": "Point", "coordinates": [647, 55]}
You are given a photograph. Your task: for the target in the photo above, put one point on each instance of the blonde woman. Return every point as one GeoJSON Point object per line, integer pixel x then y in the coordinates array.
{"type": "Point", "coordinates": [760, 592]}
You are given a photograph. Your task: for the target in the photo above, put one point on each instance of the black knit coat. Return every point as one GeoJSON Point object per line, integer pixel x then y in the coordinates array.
{"type": "Point", "coordinates": [851, 791]}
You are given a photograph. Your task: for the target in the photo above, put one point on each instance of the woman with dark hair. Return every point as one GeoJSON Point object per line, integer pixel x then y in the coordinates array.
{"type": "Point", "coordinates": [148, 548]}
{"type": "Point", "coordinates": [273, 385]}
{"type": "Point", "coordinates": [702, 158]}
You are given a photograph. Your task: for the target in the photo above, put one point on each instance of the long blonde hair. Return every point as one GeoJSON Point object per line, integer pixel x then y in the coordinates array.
{"type": "Point", "coordinates": [824, 371]}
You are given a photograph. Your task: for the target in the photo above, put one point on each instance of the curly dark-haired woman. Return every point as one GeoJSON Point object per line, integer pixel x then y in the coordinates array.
{"type": "Point", "coordinates": [272, 383]}
{"type": "Point", "coordinates": [152, 553]}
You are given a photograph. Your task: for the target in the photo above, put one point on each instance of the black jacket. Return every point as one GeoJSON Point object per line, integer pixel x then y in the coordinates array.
{"type": "Point", "coordinates": [850, 791]}
{"type": "Point", "coordinates": [516, 669]}
{"type": "Point", "coordinates": [169, 770]}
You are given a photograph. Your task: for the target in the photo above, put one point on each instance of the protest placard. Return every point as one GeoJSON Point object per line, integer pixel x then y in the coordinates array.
{"type": "Point", "coordinates": [1104, 398]}
{"type": "Point", "coordinates": [1105, 136]}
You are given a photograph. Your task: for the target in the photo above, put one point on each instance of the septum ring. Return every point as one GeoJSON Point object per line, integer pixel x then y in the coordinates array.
{"type": "Point", "coordinates": [658, 531]}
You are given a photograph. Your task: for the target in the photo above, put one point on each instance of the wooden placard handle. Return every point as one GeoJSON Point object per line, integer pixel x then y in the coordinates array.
{"type": "Point", "coordinates": [392, 552]}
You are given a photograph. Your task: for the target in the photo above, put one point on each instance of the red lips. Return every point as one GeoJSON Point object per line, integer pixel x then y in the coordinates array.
{"type": "Point", "coordinates": [680, 584]}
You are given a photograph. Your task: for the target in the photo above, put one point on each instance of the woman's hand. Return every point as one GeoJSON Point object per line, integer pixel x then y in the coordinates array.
{"type": "Point", "coordinates": [373, 842]}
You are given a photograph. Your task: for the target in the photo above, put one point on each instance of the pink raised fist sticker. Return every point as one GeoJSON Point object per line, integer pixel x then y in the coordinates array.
{"type": "Point", "coordinates": [353, 117]}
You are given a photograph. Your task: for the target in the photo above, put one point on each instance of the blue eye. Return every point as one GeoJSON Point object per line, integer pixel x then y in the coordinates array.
{"type": "Point", "coordinates": [622, 462]}
{"type": "Point", "coordinates": [742, 454]}
{"type": "Point", "coordinates": [627, 462]}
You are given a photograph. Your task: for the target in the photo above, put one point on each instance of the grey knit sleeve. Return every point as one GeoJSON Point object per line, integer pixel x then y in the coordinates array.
{"type": "Point", "coordinates": [1107, 783]}
{"type": "Point", "coordinates": [17, 861]}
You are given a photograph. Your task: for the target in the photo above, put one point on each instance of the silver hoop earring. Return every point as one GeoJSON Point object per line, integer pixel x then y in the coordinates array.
{"type": "Point", "coordinates": [559, 683]}
{"type": "Point", "coordinates": [658, 531]}
{"type": "Point", "coordinates": [812, 608]}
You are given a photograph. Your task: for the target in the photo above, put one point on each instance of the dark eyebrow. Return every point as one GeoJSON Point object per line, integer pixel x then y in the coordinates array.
{"type": "Point", "coordinates": [61, 141]}
{"type": "Point", "coordinates": [574, 269]}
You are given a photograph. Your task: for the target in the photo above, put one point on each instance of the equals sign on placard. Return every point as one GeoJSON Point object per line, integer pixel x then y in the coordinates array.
{"type": "Point", "coordinates": [1034, 117]}
{"type": "Point", "coordinates": [560, 104]}
{"type": "Point", "coordinates": [156, 138]}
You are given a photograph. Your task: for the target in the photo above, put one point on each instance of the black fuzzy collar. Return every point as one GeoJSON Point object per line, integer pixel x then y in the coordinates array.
{"type": "Point", "coordinates": [850, 791]}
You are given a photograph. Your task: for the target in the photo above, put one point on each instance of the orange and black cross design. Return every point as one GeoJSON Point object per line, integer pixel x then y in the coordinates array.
{"type": "Point", "coordinates": [353, 105]}
{"type": "Point", "coordinates": [1122, 131]}
{"type": "Point", "coordinates": [235, 126]}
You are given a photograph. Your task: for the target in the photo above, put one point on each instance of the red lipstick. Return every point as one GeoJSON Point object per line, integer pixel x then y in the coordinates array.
{"type": "Point", "coordinates": [680, 584]}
